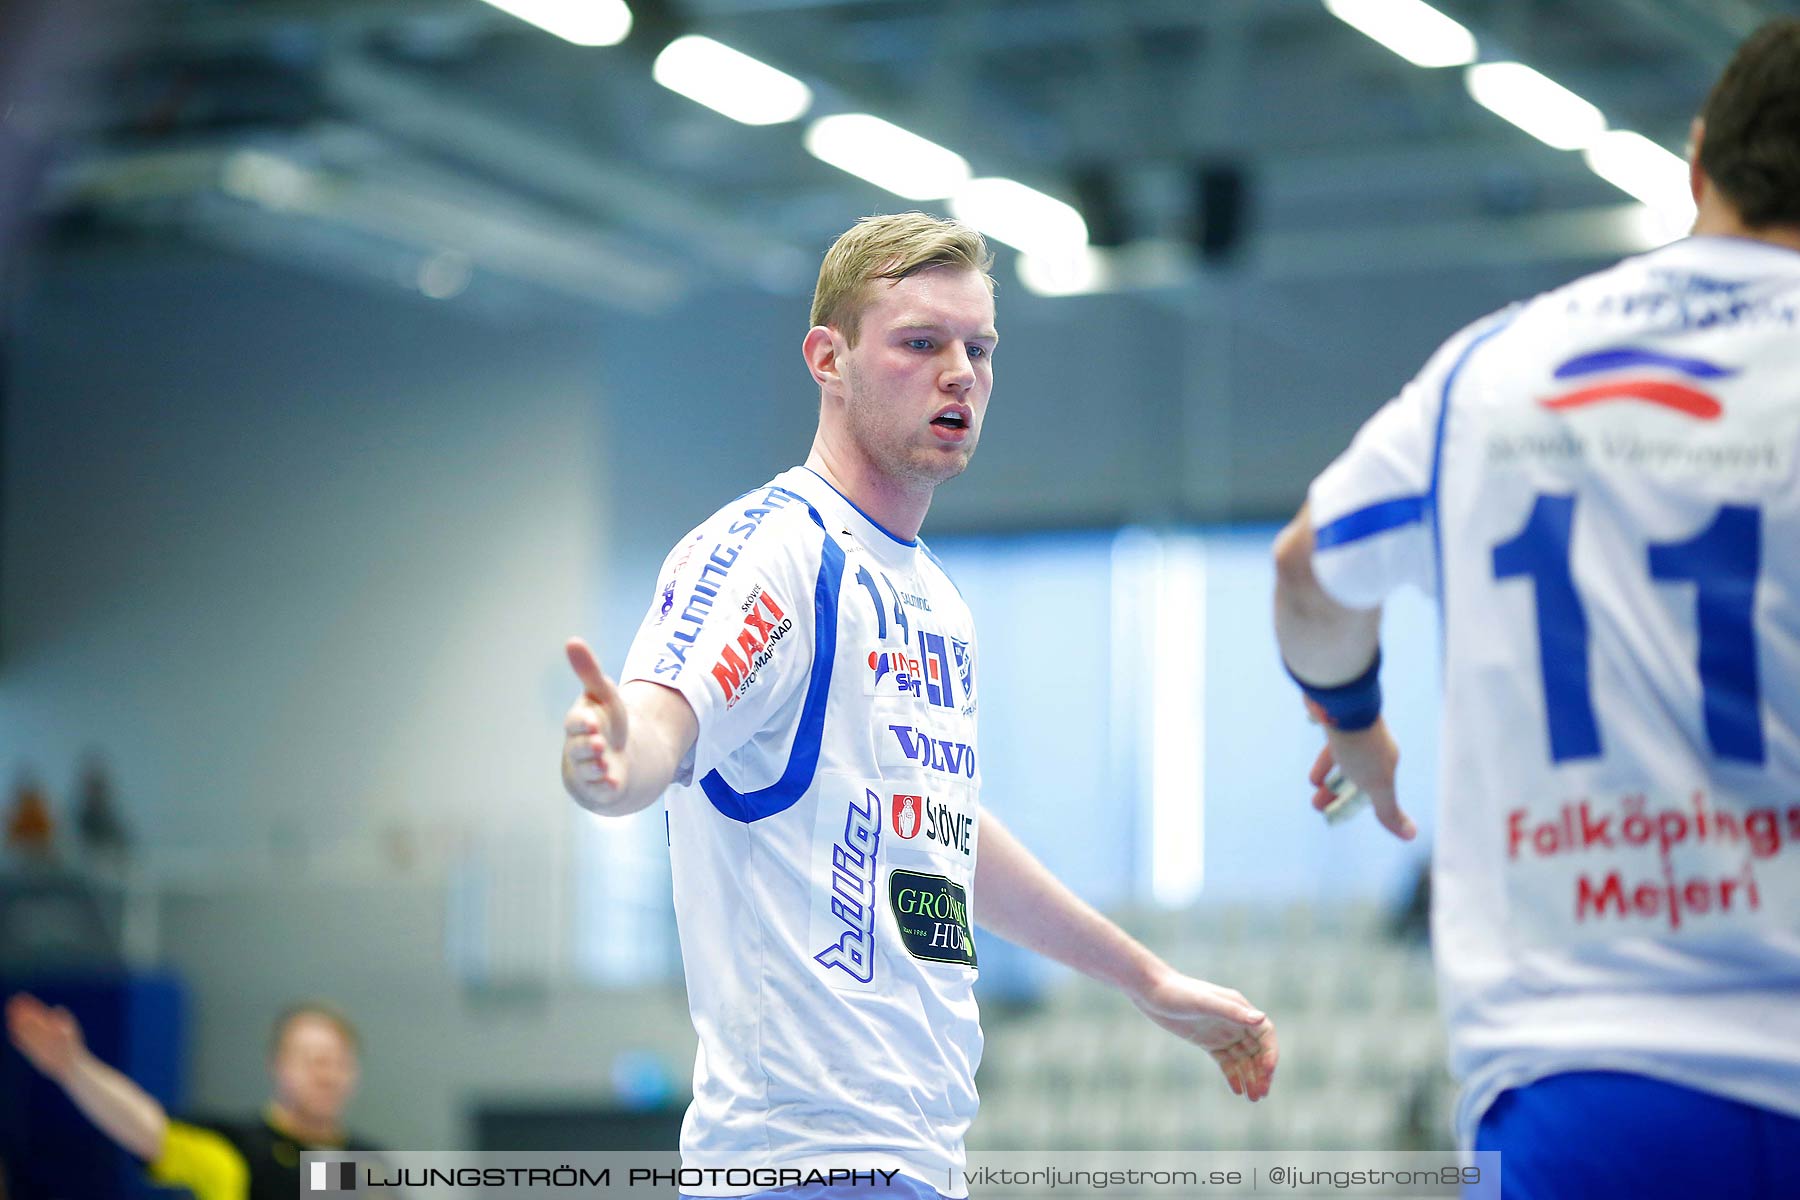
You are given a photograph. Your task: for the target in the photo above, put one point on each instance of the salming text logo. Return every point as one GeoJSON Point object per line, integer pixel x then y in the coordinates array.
{"type": "Point", "coordinates": [697, 611]}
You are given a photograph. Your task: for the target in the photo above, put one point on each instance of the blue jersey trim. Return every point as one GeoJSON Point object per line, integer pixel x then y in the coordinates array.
{"type": "Point", "coordinates": [1370, 520]}
{"type": "Point", "coordinates": [1437, 457]}
{"type": "Point", "coordinates": [809, 735]}
{"type": "Point", "coordinates": [859, 512]}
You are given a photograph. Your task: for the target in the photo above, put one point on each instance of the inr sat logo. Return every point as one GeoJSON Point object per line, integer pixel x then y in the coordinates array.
{"type": "Point", "coordinates": [926, 677]}
{"type": "Point", "coordinates": [895, 662]}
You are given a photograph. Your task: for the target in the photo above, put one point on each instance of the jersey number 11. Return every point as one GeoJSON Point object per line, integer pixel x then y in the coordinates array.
{"type": "Point", "coordinates": [1722, 561]}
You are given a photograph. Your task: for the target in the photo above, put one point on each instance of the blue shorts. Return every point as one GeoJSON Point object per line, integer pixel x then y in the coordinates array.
{"type": "Point", "coordinates": [1599, 1135]}
{"type": "Point", "coordinates": [901, 1189]}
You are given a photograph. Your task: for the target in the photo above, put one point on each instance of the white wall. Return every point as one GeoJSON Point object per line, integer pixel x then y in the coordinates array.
{"type": "Point", "coordinates": [300, 560]}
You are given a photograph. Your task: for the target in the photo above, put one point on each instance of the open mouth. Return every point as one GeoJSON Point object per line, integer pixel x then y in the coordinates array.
{"type": "Point", "coordinates": [951, 418]}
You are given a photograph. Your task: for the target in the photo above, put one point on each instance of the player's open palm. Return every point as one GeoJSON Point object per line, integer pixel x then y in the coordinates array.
{"type": "Point", "coordinates": [594, 731]}
{"type": "Point", "coordinates": [1221, 1022]}
{"type": "Point", "coordinates": [49, 1038]}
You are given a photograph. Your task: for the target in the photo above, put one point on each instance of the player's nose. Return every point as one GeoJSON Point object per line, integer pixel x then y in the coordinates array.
{"type": "Point", "coordinates": [959, 375]}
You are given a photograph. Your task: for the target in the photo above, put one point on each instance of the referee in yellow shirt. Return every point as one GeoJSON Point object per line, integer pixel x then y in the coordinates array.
{"type": "Point", "coordinates": [312, 1062]}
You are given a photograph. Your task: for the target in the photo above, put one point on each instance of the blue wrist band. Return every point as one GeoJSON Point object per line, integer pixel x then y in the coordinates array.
{"type": "Point", "coordinates": [1347, 706]}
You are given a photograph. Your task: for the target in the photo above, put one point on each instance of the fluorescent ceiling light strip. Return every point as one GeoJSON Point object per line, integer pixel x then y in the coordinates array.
{"type": "Point", "coordinates": [730, 81]}
{"type": "Point", "coordinates": [270, 180]}
{"type": "Point", "coordinates": [1540, 106]}
{"type": "Point", "coordinates": [1639, 167]}
{"type": "Point", "coordinates": [1412, 29]}
{"type": "Point", "coordinates": [1076, 273]}
{"type": "Point", "coordinates": [887, 156]}
{"type": "Point", "coordinates": [1021, 217]}
{"type": "Point", "coordinates": [584, 22]}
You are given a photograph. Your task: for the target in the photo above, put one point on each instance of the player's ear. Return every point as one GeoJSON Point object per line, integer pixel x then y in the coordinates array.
{"type": "Point", "coordinates": [821, 351]}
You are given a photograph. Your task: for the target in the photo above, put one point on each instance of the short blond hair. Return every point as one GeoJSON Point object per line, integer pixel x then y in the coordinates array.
{"type": "Point", "coordinates": [323, 1010]}
{"type": "Point", "coordinates": [890, 247]}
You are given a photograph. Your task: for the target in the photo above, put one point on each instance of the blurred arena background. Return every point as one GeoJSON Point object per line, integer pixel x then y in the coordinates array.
{"type": "Point", "coordinates": [356, 352]}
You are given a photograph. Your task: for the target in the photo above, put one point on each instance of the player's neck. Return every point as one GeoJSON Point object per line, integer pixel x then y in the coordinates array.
{"type": "Point", "coordinates": [1719, 219]}
{"type": "Point", "coordinates": [301, 1129]}
{"type": "Point", "coordinates": [899, 507]}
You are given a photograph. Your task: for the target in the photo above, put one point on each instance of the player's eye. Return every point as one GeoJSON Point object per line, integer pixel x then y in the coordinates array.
{"type": "Point", "coordinates": [920, 343]}
{"type": "Point", "coordinates": [977, 351]}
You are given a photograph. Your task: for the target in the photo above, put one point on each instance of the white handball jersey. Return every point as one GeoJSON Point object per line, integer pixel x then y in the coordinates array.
{"type": "Point", "coordinates": [822, 837]}
{"type": "Point", "coordinates": [1600, 486]}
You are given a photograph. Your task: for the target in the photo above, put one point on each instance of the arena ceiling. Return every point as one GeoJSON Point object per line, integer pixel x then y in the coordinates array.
{"type": "Point", "coordinates": [449, 146]}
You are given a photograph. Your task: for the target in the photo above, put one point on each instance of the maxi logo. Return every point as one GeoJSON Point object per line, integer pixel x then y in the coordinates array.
{"type": "Point", "coordinates": [933, 915]}
{"type": "Point", "coordinates": [712, 575]}
{"type": "Point", "coordinates": [853, 891]}
{"type": "Point", "coordinates": [933, 753]}
{"type": "Point", "coordinates": [764, 625]}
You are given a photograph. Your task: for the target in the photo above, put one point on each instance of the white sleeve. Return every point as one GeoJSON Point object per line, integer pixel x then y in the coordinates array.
{"type": "Point", "coordinates": [1371, 508]}
{"type": "Point", "coordinates": [731, 629]}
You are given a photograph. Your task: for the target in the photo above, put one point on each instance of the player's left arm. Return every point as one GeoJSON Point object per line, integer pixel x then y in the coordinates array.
{"type": "Point", "coordinates": [1334, 647]}
{"type": "Point", "coordinates": [1019, 899]}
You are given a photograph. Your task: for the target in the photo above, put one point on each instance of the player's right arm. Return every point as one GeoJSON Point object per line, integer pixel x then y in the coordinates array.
{"type": "Point", "coordinates": [50, 1039]}
{"type": "Point", "coordinates": [1327, 643]}
{"type": "Point", "coordinates": [1367, 527]}
{"type": "Point", "coordinates": [622, 745]}
{"type": "Point", "coordinates": [724, 652]}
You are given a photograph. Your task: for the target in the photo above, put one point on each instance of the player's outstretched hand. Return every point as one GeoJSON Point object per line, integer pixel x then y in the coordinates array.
{"type": "Point", "coordinates": [49, 1038]}
{"type": "Point", "coordinates": [1367, 758]}
{"type": "Point", "coordinates": [1220, 1021]}
{"type": "Point", "coordinates": [594, 732]}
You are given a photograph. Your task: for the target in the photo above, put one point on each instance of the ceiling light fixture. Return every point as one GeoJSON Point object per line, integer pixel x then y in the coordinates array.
{"type": "Point", "coordinates": [1539, 105]}
{"type": "Point", "coordinates": [887, 156]}
{"type": "Point", "coordinates": [1639, 167]}
{"type": "Point", "coordinates": [1022, 217]}
{"type": "Point", "coordinates": [730, 81]}
{"type": "Point", "coordinates": [584, 22]}
{"type": "Point", "coordinates": [1077, 272]}
{"type": "Point", "coordinates": [1412, 29]}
